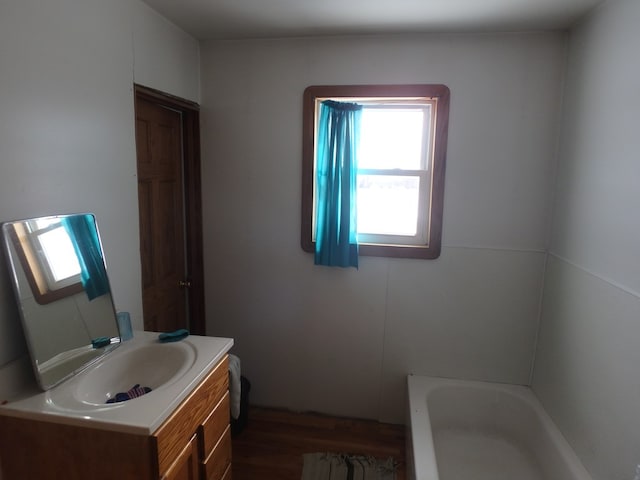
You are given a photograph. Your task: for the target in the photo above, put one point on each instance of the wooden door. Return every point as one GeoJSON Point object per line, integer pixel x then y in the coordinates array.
{"type": "Point", "coordinates": [170, 206]}
{"type": "Point", "coordinates": [161, 207]}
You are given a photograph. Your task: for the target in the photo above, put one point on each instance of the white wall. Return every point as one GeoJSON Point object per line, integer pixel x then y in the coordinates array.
{"type": "Point", "coordinates": [67, 139]}
{"type": "Point", "coordinates": [341, 341]}
{"type": "Point", "coordinates": [589, 350]}
{"type": "Point", "coordinates": [166, 58]}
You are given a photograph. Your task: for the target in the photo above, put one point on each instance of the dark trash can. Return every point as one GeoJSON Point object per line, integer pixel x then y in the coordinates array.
{"type": "Point", "coordinates": [238, 424]}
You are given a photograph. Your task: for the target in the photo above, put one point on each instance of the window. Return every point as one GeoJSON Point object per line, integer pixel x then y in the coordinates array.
{"type": "Point", "coordinates": [401, 163]}
{"type": "Point", "coordinates": [57, 257]}
{"type": "Point", "coordinates": [49, 279]}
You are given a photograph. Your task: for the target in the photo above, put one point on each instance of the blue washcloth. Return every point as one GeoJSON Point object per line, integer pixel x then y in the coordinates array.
{"type": "Point", "coordinates": [134, 392]}
{"type": "Point", "coordinates": [100, 342]}
{"type": "Point", "coordinates": [173, 336]}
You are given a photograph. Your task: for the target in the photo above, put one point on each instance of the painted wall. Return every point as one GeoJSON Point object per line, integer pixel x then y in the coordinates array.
{"type": "Point", "coordinates": [588, 355]}
{"type": "Point", "coordinates": [166, 58]}
{"type": "Point", "coordinates": [341, 341]}
{"type": "Point", "coordinates": [67, 139]}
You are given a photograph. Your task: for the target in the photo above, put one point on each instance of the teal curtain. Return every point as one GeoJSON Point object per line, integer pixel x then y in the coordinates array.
{"type": "Point", "coordinates": [84, 237]}
{"type": "Point", "coordinates": [336, 171]}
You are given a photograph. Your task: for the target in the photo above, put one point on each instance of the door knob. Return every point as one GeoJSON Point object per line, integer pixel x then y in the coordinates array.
{"type": "Point", "coordinates": [184, 284]}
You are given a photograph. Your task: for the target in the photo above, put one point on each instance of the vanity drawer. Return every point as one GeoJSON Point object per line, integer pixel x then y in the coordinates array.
{"type": "Point", "coordinates": [214, 426]}
{"type": "Point", "coordinates": [217, 464]}
{"type": "Point", "coordinates": [176, 431]}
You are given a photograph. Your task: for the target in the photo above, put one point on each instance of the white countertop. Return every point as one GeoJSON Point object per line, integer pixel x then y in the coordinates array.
{"type": "Point", "coordinates": [143, 415]}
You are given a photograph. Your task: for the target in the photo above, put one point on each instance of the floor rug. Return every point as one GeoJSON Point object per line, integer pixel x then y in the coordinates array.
{"type": "Point", "coordinates": [336, 466]}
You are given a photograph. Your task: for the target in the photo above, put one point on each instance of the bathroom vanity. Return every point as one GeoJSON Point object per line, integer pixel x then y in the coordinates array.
{"type": "Point", "coordinates": [178, 431]}
{"type": "Point", "coordinates": [71, 422]}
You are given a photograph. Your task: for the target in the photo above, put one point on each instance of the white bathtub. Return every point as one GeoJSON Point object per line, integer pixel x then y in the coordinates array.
{"type": "Point", "coordinates": [467, 430]}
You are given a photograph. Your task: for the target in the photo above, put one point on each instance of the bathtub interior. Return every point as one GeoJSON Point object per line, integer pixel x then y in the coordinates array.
{"type": "Point", "coordinates": [483, 431]}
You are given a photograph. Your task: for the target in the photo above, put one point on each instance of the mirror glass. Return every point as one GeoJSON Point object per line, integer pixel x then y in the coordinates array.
{"type": "Point", "coordinates": [63, 294]}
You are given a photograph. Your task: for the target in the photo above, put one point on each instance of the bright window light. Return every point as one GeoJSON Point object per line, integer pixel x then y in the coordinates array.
{"type": "Point", "coordinates": [60, 254]}
{"type": "Point", "coordinates": [388, 205]}
{"type": "Point", "coordinates": [393, 137]}
{"type": "Point", "coordinates": [393, 144]}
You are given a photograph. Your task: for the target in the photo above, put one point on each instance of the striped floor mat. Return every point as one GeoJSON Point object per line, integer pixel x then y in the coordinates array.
{"type": "Point", "coordinates": [336, 466]}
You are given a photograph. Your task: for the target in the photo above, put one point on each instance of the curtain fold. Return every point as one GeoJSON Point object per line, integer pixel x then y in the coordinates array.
{"type": "Point", "coordinates": [84, 237]}
{"type": "Point", "coordinates": [336, 175]}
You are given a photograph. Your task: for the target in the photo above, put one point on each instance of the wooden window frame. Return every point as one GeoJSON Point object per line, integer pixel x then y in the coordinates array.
{"type": "Point", "coordinates": [42, 293]}
{"type": "Point", "coordinates": [432, 248]}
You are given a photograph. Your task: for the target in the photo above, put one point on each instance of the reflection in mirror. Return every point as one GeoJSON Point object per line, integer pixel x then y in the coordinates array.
{"type": "Point", "coordinates": [63, 294]}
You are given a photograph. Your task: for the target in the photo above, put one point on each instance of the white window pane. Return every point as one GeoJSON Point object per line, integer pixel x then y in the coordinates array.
{"type": "Point", "coordinates": [388, 204]}
{"type": "Point", "coordinates": [392, 138]}
{"type": "Point", "coordinates": [42, 223]}
{"type": "Point", "coordinates": [60, 254]}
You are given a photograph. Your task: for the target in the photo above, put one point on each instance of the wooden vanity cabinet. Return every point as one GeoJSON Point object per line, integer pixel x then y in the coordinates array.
{"type": "Point", "coordinates": [207, 405]}
{"type": "Point", "coordinates": [194, 443]}
{"type": "Point", "coordinates": [185, 466]}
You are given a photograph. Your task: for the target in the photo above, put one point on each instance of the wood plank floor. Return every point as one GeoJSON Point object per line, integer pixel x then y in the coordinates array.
{"type": "Point", "coordinates": [273, 442]}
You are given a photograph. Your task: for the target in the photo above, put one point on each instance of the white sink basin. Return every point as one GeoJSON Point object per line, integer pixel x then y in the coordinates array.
{"type": "Point", "coordinates": [153, 366]}
{"type": "Point", "coordinates": [171, 370]}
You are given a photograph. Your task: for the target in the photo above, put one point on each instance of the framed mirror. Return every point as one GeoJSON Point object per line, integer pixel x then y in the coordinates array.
{"type": "Point", "coordinates": [62, 290]}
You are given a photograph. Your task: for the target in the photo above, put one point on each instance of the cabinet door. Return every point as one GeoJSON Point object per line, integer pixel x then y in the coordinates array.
{"type": "Point", "coordinates": [216, 465]}
{"type": "Point", "coordinates": [186, 465]}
